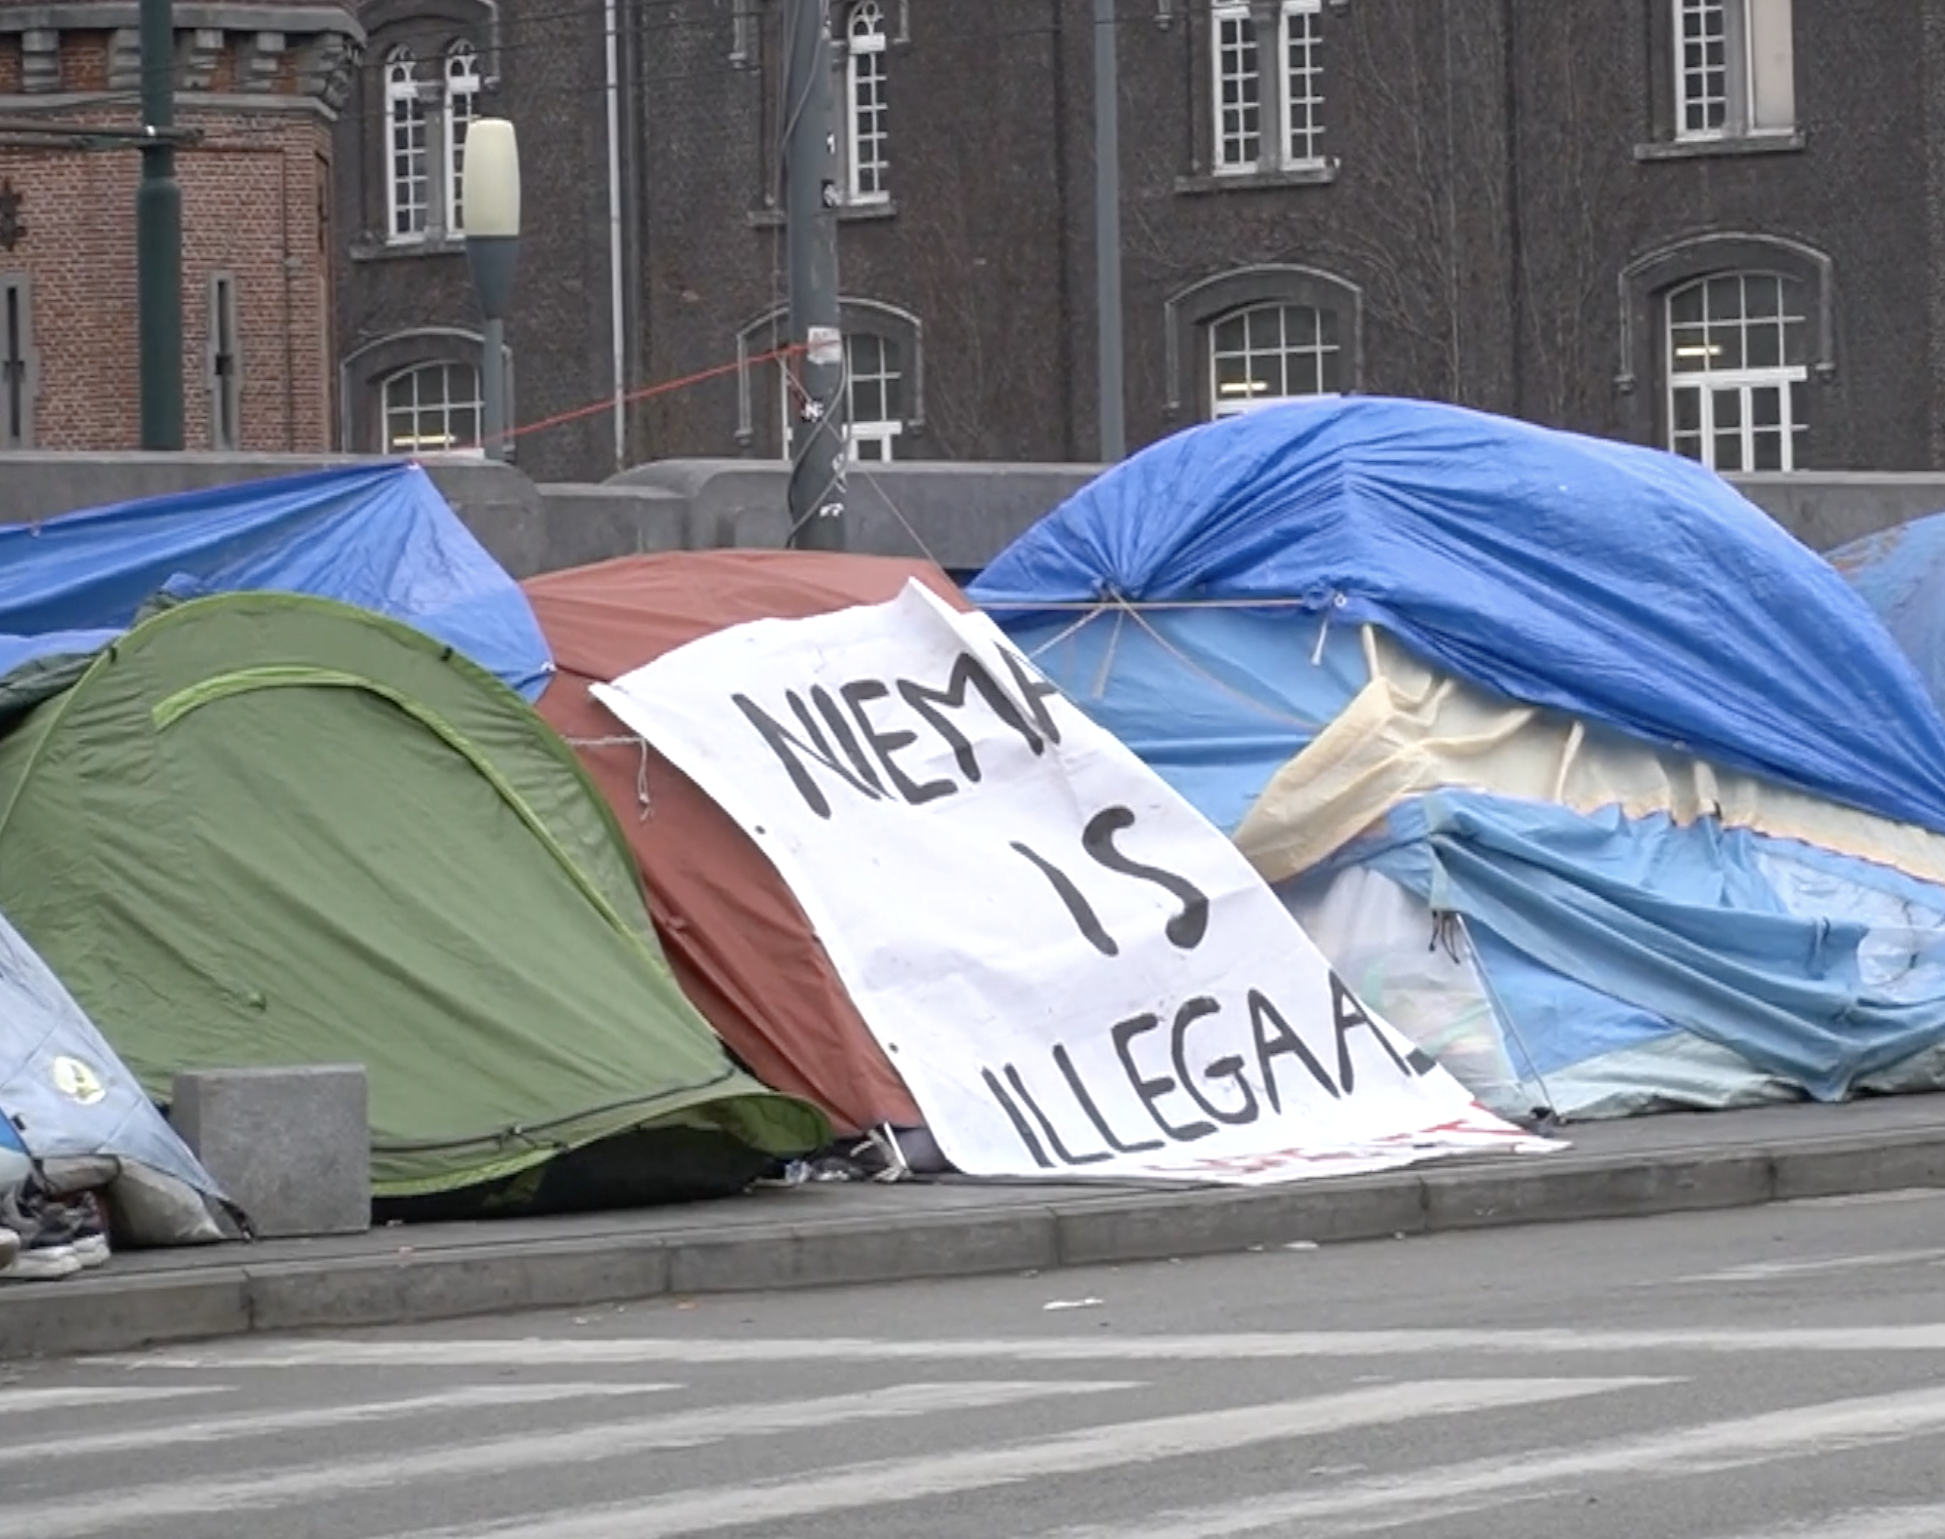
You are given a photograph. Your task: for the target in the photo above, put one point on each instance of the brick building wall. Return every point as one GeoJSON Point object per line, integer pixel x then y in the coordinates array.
{"type": "Point", "coordinates": [1501, 211]}
{"type": "Point", "coordinates": [257, 281]}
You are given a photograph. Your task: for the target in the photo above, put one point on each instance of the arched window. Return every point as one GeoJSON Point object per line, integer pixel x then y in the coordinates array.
{"type": "Point", "coordinates": [434, 408]}
{"type": "Point", "coordinates": [1271, 353]}
{"type": "Point", "coordinates": [875, 397]}
{"type": "Point", "coordinates": [1737, 347]}
{"type": "Point", "coordinates": [462, 87]}
{"type": "Point", "coordinates": [407, 176]}
{"type": "Point", "coordinates": [867, 137]}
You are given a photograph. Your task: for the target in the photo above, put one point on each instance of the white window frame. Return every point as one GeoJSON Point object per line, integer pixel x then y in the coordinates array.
{"type": "Point", "coordinates": [1708, 385]}
{"type": "Point", "coordinates": [866, 79]}
{"type": "Point", "coordinates": [880, 434]}
{"type": "Point", "coordinates": [1758, 89]}
{"type": "Point", "coordinates": [1221, 406]}
{"type": "Point", "coordinates": [1289, 118]}
{"type": "Point", "coordinates": [408, 196]}
{"type": "Point", "coordinates": [445, 443]}
{"type": "Point", "coordinates": [460, 85]}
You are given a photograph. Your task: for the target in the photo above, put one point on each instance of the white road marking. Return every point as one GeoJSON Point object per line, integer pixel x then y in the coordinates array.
{"type": "Point", "coordinates": [14, 1399]}
{"type": "Point", "coordinates": [889, 1481]}
{"type": "Point", "coordinates": [558, 1353]}
{"type": "Point", "coordinates": [72, 1515]}
{"type": "Point", "coordinates": [1759, 1271]}
{"type": "Point", "coordinates": [1454, 1490]}
{"type": "Point", "coordinates": [1879, 1523]}
{"type": "Point", "coordinates": [270, 1423]}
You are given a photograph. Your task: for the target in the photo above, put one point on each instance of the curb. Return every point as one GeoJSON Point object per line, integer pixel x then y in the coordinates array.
{"type": "Point", "coordinates": [122, 1313]}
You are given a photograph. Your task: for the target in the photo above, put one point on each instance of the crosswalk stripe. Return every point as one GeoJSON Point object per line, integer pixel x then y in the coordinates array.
{"type": "Point", "coordinates": [269, 1423]}
{"type": "Point", "coordinates": [1759, 1271]}
{"type": "Point", "coordinates": [1453, 1490]}
{"type": "Point", "coordinates": [77, 1515]}
{"type": "Point", "coordinates": [1878, 1523]}
{"type": "Point", "coordinates": [15, 1400]}
{"type": "Point", "coordinates": [538, 1353]}
{"type": "Point", "coordinates": [857, 1486]}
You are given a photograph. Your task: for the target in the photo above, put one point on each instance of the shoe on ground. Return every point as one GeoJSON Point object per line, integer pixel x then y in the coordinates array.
{"type": "Point", "coordinates": [77, 1224]}
{"type": "Point", "coordinates": [41, 1263]}
{"type": "Point", "coordinates": [46, 1239]}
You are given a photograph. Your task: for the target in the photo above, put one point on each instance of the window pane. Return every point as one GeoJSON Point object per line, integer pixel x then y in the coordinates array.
{"type": "Point", "coordinates": [1688, 411]}
{"type": "Point", "coordinates": [1766, 406]}
{"type": "Point", "coordinates": [1271, 353]}
{"type": "Point", "coordinates": [1766, 451]}
{"type": "Point", "coordinates": [1303, 85]}
{"type": "Point", "coordinates": [1237, 91]}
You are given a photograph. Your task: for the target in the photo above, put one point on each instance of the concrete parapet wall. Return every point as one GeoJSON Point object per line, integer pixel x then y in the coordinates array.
{"type": "Point", "coordinates": [961, 515]}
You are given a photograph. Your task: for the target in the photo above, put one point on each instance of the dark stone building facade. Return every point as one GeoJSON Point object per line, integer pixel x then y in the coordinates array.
{"type": "Point", "coordinates": [1718, 225]}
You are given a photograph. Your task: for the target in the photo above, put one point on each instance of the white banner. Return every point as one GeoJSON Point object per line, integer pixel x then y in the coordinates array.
{"type": "Point", "coordinates": [1077, 975]}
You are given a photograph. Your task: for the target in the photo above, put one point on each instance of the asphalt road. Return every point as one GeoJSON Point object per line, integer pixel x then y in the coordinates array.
{"type": "Point", "coordinates": [1742, 1376]}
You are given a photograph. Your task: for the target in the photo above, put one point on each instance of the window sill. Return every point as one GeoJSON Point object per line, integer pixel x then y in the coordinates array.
{"type": "Point", "coordinates": [368, 248]}
{"type": "Point", "coordinates": [1322, 174]}
{"type": "Point", "coordinates": [1731, 144]}
{"type": "Point", "coordinates": [847, 213]}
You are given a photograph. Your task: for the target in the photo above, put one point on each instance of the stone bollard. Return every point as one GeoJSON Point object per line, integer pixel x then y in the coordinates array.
{"type": "Point", "coordinates": [292, 1147]}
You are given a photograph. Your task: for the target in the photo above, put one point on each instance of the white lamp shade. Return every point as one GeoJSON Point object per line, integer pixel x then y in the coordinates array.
{"type": "Point", "coordinates": [491, 195]}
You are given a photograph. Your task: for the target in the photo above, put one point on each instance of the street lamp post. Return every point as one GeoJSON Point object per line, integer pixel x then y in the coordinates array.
{"type": "Point", "coordinates": [490, 203]}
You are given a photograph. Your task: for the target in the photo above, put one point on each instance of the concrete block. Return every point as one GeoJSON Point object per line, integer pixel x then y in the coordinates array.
{"type": "Point", "coordinates": [291, 1146]}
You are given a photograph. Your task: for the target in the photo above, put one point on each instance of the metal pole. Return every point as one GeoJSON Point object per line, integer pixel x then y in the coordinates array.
{"type": "Point", "coordinates": [1107, 232]}
{"type": "Point", "coordinates": [493, 387]}
{"type": "Point", "coordinates": [158, 236]}
{"type": "Point", "coordinates": [818, 448]}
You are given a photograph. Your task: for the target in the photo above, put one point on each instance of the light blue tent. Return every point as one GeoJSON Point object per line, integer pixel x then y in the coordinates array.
{"type": "Point", "coordinates": [68, 1103]}
{"type": "Point", "coordinates": [1900, 573]}
{"type": "Point", "coordinates": [1455, 635]}
{"type": "Point", "coordinates": [379, 537]}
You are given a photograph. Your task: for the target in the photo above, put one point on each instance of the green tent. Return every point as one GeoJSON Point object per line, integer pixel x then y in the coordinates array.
{"type": "Point", "coordinates": [265, 829]}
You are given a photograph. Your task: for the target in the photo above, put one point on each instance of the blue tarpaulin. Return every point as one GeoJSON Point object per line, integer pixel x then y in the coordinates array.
{"type": "Point", "coordinates": [1900, 573]}
{"type": "Point", "coordinates": [380, 537]}
{"type": "Point", "coordinates": [1617, 583]}
{"type": "Point", "coordinates": [1206, 602]}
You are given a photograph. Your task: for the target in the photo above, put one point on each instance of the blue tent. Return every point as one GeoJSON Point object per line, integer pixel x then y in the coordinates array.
{"type": "Point", "coordinates": [65, 1096]}
{"type": "Point", "coordinates": [1617, 583]}
{"type": "Point", "coordinates": [1208, 601]}
{"type": "Point", "coordinates": [380, 537]}
{"type": "Point", "coordinates": [1900, 573]}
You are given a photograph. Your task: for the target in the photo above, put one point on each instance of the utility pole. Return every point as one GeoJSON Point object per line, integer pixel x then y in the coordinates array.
{"type": "Point", "coordinates": [1107, 232]}
{"type": "Point", "coordinates": [158, 235]}
{"type": "Point", "coordinates": [818, 448]}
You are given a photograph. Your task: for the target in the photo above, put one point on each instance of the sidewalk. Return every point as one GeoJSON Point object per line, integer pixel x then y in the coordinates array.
{"type": "Point", "coordinates": [856, 1233]}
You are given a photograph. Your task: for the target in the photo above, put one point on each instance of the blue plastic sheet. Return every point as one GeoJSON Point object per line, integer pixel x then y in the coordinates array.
{"type": "Point", "coordinates": [380, 537]}
{"type": "Point", "coordinates": [1215, 701]}
{"type": "Point", "coordinates": [1682, 925]}
{"type": "Point", "coordinates": [1617, 583]}
{"type": "Point", "coordinates": [1900, 573]}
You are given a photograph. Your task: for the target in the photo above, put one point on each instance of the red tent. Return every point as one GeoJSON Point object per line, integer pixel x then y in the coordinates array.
{"type": "Point", "coordinates": [741, 946]}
